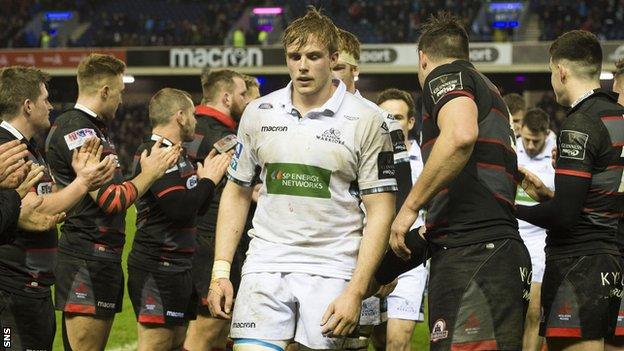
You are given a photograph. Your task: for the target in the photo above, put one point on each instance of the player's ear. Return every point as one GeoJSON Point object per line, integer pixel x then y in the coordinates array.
{"type": "Point", "coordinates": [422, 59]}
{"type": "Point", "coordinates": [104, 92]}
{"type": "Point", "coordinates": [562, 72]}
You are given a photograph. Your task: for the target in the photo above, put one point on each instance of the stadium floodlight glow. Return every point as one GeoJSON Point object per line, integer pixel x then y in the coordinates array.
{"type": "Point", "coordinates": [128, 79]}
{"type": "Point", "coordinates": [606, 75]}
{"type": "Point", "coordinates": [268, 10]}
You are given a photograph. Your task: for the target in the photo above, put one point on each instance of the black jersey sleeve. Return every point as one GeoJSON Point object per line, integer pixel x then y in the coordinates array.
{"type": "Point", "coordinates": [447, 84]}
{"type": "Point", "coordinates": [392, 266]}
{"type": "Point", "coordinates": [9, 212]}
{"type": "Point", "coordinates": [580, 145]}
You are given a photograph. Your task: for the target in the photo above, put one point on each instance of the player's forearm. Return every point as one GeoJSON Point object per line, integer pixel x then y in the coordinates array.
{"type": "Point", "coordinates": [379, 214]}
{"type": "Point", "coordinates": [233, 209]}
{"type": "Point", "coordinates": [448, 157]}
{"type": "Point", "coordinates": [142, 182]}
{"type": "Point", "coordinates": [65, 198]}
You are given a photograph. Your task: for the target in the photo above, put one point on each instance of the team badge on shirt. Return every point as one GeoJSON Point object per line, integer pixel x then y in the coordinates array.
{"type": "Point", "coordinates": [77, 138]}
{"type": "Point", "coordinates": [573, 144]}
{"type": "Point", "coordinates": [444, 84]}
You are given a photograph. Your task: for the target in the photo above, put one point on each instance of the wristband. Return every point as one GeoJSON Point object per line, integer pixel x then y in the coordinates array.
{"type": "Point", "coordinates": [221, 269]}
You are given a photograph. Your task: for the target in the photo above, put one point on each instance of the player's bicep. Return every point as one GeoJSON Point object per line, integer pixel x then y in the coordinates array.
{"type": "Point", "coordinates": [458, 119]}
{"type": "Point", "coordinates": [578, 147]}
{"type": "Point", "coordinates": [244, 161]}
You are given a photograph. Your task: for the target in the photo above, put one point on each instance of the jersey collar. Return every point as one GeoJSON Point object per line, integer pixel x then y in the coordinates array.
{"type": "Point", "coordinates": [9, 128]}
{"type": "Point", "coordinates": [156, 137]}
{"type": "Point", "coordinates": [329, 108]}
{"type": "Point", "coordinates": [85, 109]}
{"type": "Point", "coordinates": [591, 93]}
{"type": "Point", "coordinates": [203, 110]}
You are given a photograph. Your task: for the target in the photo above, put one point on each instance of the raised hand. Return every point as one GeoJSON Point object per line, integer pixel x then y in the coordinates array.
{"type": "Point", "coordinates": [89, 169]}
{"type": "Point", "coordinates": [32, 219]}
{"type": "Point", "coordinates": [214, 166]}
{"type": "Point", "coordinates": [159, 159]}
{"type": "Point", "coordinates": [33, 176]}
{"type": "Point", "coordinates": [534, 187]}
{"type": "Point", "coordinates": [12, 170]}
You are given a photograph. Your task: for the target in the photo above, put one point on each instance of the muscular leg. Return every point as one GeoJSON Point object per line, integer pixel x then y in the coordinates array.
{"type": "Point", "coordinates": [569, 344]}
{"type": "Point", "coordinates": [203, 333]}
{"type": "Point", "coordinates": [161, 338]}
{"type": "Point", "coordinates": [531, 340]}
{"type": "Point", "coordinates": [399, 335]}
{"type": "Point", "coordinates": [86, 332]}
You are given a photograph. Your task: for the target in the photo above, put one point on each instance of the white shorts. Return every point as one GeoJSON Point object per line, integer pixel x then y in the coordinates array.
{"type": "Point", "coordinates": [285, 306]}
{"type": "Point", "coordinates": [535, 244]}
{"type": "Point", "coordinates": [406, 300]}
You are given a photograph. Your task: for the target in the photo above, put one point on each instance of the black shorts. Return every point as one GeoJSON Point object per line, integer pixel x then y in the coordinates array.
{"type": "Point", "coordinates": [478, 296]}
{"type": "Point", "coordinates": [162, 298]}
{"type": "Point", "coordinates": [88, 287]}
{"type": "Point", "coordinates": [581, 296]}
{"type": "Point", "coordinates": [27, 323]}
{"type": "Point", "coordinates": [202, 269]}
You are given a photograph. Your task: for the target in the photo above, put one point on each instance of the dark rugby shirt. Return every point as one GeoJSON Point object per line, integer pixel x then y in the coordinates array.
{"type": "Point", "coordinates": [88, 232]}
{"type": "Point", "coordinates": [27, 258]}
{"type": "Point", "coordinates": [590, 146]}
{"type": "Point", "coordinates": [478, 205]}
{"type": "Point", "coordinates": [166, 215]}
{"type": "Point", "coordinates": [213, 128]}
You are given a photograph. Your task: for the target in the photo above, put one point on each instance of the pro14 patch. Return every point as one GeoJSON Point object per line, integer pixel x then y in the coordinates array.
{"type": "Point", "coordinates": [77, 138]}
{"type": "Point", "coordinates": [444, 84]}
{"type": "Point", "coordinates": [573, 144]}
{"type": "Point", "coordinates": [385, 165]}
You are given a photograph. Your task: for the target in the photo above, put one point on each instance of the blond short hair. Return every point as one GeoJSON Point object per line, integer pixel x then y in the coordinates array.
{"type": "Point", "coordinates": [216, 82]}
{"type": "Point", "coordinates": [312, 24]}
{"type": "Point", "coordinates": [166, 102]}
{"type": "Point", "coordinates": [17, 84]}
{"type": "Point", "coordinates": [96, 70]}
{"type": "Point", "coordinates": [349, 43]}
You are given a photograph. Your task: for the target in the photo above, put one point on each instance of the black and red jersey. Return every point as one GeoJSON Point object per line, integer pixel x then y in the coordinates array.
{"type": "Point", "coordinates": [166, 215]}
{"type": "Point", "coordinates": [27, 259]}
{"type": "Point", "coordinates": [478, 205]}
{"type": "Point", "coordinates": [92, 230]}
{"type": "Point", "coordinates": [590, 146]}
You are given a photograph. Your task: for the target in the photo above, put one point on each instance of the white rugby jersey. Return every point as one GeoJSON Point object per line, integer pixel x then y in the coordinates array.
{"type": "Point", "coordinates": [541, 166]}
{"type": "Point", "coordinates": [307, 220]}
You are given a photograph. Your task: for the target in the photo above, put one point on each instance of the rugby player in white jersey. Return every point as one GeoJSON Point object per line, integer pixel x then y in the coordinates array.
{"type": "Point", "coordinates": [308, 264]}
{"type": "Point", "coordinates": [534, 154]}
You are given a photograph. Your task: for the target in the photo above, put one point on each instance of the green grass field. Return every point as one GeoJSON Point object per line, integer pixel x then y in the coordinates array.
{"type": "Point", "coordinates": [124, 333]}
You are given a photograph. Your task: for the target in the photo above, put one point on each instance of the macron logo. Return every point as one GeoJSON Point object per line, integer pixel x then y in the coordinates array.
{"type": "Point", "coordinates": [274, 129]}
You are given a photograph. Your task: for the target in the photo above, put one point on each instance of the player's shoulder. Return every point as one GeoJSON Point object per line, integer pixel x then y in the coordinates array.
{"type": "Point", "coordinates": [447, 77]}
{"type": "Point", "coordinates": [360, 109]}
{"type": "Point", "coordinates": [74, 120]}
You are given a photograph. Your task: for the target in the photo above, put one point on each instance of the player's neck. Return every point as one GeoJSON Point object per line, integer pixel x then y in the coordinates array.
{"type": "Point", "coordinates": [578, 88]}
{"type": "Point", "coordinates": [305, 103]}
{"type": "Point", "coordinates": [90, 102]}
{"type": "Point", "coordinates": [219, 107]}
{"type": "Point", "coordinates": [351, 88]}
{"type": "Point", "coordinates": [169, 132]}
{"type": "Point", "coordinates": [21, 124]}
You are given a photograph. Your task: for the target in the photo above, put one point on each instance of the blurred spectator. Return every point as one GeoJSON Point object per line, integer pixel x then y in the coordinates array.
{"type": "Point", "coordinates": [238, 38]}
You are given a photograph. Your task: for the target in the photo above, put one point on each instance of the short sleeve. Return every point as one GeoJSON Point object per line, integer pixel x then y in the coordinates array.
{"type": "Point", "coordinates": [244, 161]}
{"type": "Point", "coordinates": [61, 142]}
{"type": "Point", "coordinates": [445, 87]}
{"type": "Point", "coordinates": [376, 172]}
{"type": "Point", "coordinates": [578, 146]}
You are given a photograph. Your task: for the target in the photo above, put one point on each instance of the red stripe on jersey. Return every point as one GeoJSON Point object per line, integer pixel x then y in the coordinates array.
{"type": "Point", "coordinates": [496, 141]}
{"type": "Point", "coordinates": [496, 168]}
{"type": "Point", "coordinates": [76, 308]}
{"type": "Point", "coordinates": [618, 144]}
{"type": "Point", "coordinates": [619, 331]}
{"type": "Point", "coordinates": [499, 112]}
{"type": "Point", "coordinates": [144, 318]}
{"type": "Point", "coordinates": [501, 197]}
{"type": "Point", "coordinates": [170, 189]}
{"type": "Point", "coordinates": [460, 92]}
{"type": "Point", "coordinates": [573, 173]}
{"type": "Point", "coordinates": [603, 213]}
{"type": "Point", "coordinates": [105, 194]}
{"type": "Point", "coordinates": [611, 118]}
{"type": "Point", "coordinates": [604, 192]}
{"type": "Point", "coordinates": [564, 332]}
{"type": "Point", "coordinates": [475, 345]}
{"type": "Point", "coordinates": [115, 204]}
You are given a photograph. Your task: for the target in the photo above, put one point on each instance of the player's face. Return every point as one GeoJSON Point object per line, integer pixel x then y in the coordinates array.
{"type": "Point", "coordinates": [516, 119]}
{"type": "Point", "coordinates": [113, 99]}
{"type": "Point", "coordinates": [309, 67]}
{"type": "Point", "coordinates": [557, 84]}
{"type": "Point", "coordinates": [399, 109]}
{"type": "Point", "coordinates": [533, 142]}
{"type": "Point", "coordinates": [346, 73]}
{"type": "Point", "coordinates": [238, 99]}
{"type": "Point", "coordinates": [40, 113]}
{"type": "Point", "coordinates": [188, 124]}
